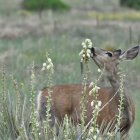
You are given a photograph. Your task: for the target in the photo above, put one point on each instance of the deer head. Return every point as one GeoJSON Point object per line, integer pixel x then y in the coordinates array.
{"type": "Point", "coordinates": [109, 60]}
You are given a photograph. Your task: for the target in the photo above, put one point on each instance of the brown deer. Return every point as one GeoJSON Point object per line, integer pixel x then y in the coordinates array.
{"type": "Point", "coordinates": [66, 98]}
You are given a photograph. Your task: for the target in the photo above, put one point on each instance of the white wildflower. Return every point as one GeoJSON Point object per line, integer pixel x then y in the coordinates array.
{"type": "Point", "coordinates": [43, 68]}
{"type": "Point", "coordinates": [95, 89]}
{"type": "Point", "coordinates": [124, 75]}
{"type": "Point", "coordinates": [37, 124]}
{"type": "Point", "coordinates": [99, 70]}
{"type": "Point", "coordinates": [81, 53]}
{"type": "Point", "coordinates": [87, 40]}
{"type": "Point", "coordinates": [81, 59]}
{"type": "Point", "coordinates": [98, 131]}
{"type": "Point", "coordinates": [84, 55]}
{"type": "Point", "coordinates": [88, 51]}
{"type": "Point", "coordinates": [91, 130]}
{"type": "Point", "coordinates": [95, 137]}
{"type": "Point", "coordinates": [89, 43]}
{"type": "Point", "coordinates": [48, 67]}
{"type": "Point", "coordinates": [91, 84]}
{"type": "Point", "coordinates": [99, 103]}
{"type": "Point", "coordinates": [88, 55]}
{"type": "Point", "coordinates": [84, 45]}
{"type": "Point", "coordinates": [92, 103]}
{"type": "Point", "coordinates": [96, 107]}
{"type": "Point", "coordinates": [44, 64]}
{"type": "Point", "coordinates": [49, 60]}
{"type": "Point", "coordinates": [51, 64]}
{"type": "Point", "coordinates": [39, 134]}
{"type": "Point", "coordinates": [90, 92]}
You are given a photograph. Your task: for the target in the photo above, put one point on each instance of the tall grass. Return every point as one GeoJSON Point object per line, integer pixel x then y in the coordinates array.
{"type": "Point", "coordinates": [64, 46]}
{"type": "Point", "coordinates": [18, 116]}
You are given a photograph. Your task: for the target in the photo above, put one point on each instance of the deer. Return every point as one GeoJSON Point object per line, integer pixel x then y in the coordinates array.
{"type": "Point", "coordinates": [66, 98]}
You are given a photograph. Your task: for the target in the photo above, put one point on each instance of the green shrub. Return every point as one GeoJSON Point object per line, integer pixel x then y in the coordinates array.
{"type": "Point", "coordinates": [131, 4]}
{"type": "Point", "coordinates": [40, 5]}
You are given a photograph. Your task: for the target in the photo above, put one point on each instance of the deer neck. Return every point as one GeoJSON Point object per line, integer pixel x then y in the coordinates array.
{"type": "Point", "coordinates": [114, 79]}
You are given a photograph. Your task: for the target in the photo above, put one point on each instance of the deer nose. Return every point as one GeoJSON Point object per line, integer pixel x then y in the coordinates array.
{"type": "Point", "coordinates": [93, 52]}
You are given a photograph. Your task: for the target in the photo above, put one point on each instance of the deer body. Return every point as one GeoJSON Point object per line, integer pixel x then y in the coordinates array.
{"type": "Point", "coordinates": [66, 98]}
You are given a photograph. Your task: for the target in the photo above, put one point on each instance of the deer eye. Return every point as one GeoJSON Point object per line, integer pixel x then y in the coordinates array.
{"type": "Point", "coordinates": [109, 54]}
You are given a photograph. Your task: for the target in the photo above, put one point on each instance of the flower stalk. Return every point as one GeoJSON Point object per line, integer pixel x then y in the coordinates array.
{"type": "Point", "coordinates": [49, 67]}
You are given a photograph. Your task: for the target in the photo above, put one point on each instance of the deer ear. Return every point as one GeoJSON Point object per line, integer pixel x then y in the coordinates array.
{"type": "Point", "coordinates": [131, 53]}
{"type": "Point", "coordinates": [117, 53]}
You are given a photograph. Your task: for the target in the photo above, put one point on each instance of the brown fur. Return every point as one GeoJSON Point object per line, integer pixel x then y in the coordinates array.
{"type": "Point", "coordinates": [66, 100]}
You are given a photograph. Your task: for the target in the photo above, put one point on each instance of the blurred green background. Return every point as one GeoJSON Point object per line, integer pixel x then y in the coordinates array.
{"type": "Point", "coordinates": [26, 36]}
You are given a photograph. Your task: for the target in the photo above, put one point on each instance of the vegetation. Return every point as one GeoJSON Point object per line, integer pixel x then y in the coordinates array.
{"type": "Point", "coordinates": [35, 5]}
{"type": "Point", "coordinates": [131, 4]}
{"type": "Point", "coordinates": [21, 121]}
{"type": "Point", "coordinates": [24, 39]}
{"type": "Point", "coordinates": [119, 16]}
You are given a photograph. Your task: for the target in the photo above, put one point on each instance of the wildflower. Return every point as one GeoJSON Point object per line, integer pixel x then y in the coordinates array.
{"type": "Point", "coordinates": [87, 40]}
{"type": "Point", "coordinates": [98, 131]}
{"type": "Point", "coordinates": [96, 107]}
{"type": "Point", "coordinates": [39, 134]}
{"type": "Point", "coordinates": [95, 89]}
{"type": "Point", "coordinates": [89, 43]}
{"type": "Point", "coordinates": [99, 103]}
{"type": "Point", "coordinates": [91, 130]}
{"type": "Point", "coordinates": [90, 92]}
{"type": "Point", "coordinates": [80, 54]}
{"type": "Point", "coordinates": [84, 45]}
{"type": "Point", "coordinates": [92, 103]}
{"type": "Point", "coordinates": [37, 124]}
{"type": "Point", "coordinates": [88, 55]}
{"type": "Point", "coordinates": [84, 55]}
{"type": "Point", "coordinates": [99, 70]}
{"type": "Point", "coordinates": [91, 84]}
{"type": "Point", "coordinates": [86, 52]}
{"type": "Point", "coordinates": [44, 64]}
{"type": "Point", "coordinates": [48, 65]}
{"type": "Point", "coordinates": [81, 59]}
{"type": "Point", "coordinates": [43, 68]}
{"type": "Point", "coordinates": [95, 137]}
{"type": "Point", "coordinates": [32, 76]}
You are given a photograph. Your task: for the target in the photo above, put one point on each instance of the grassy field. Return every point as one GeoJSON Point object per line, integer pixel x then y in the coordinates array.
{"type": "Point", "coordinates": [25, 37]}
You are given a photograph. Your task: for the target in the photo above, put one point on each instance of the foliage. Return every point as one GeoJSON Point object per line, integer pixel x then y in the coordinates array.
{"type": "Point", "coordinates": [18, 53]}
{"type": "Point", "coordinates": [131, 3]}
{"type": "Point", "coordinates": [18, 117]}
{"type": "Point", "coordinates": [40, 5]}
{"type": "Point", "coordinates": [119, 16]}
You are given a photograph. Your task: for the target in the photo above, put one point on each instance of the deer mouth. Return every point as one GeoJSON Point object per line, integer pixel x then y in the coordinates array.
{"type": "Point", "coordinates": [94, 55]}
